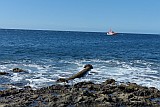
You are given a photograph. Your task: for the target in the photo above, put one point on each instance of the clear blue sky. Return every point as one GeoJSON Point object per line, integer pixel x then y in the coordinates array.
{"type": "Point", "coordinates": [82, 15]}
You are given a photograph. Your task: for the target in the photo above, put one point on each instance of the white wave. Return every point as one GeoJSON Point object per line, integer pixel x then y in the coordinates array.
{"type": "Point", "coordinates": [124, 71]}
{"type": "Point", "coordinates": [138, 71]}
{"type": "Point", "coordinates": [38, 83]}
{"type": "Point", "coordinates": [16, 77]}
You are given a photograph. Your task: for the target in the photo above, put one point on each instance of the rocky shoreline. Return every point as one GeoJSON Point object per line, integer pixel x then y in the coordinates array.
{"type": "Point", "coordinates": [83, 94]}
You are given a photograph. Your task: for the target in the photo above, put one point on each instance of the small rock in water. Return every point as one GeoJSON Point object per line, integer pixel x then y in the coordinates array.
{"type": "Point", "coordinates": [3, 73]}
{"type": "Point", "coordinates": [18, 70]}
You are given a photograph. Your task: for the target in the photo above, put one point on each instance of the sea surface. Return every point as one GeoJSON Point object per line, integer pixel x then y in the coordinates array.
{"type": "Point", "coordinates": [49, 55]}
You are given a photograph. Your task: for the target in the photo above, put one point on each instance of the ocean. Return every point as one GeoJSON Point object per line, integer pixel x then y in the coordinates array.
{"type": "Point", "coordinates": [49, 55]}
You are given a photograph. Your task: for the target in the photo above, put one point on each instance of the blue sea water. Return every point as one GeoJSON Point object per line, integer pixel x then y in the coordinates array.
{"type": "Point", "coordinates": [49, 55]}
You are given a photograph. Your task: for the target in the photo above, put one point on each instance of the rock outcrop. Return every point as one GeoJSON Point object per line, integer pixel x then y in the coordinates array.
{"type": "Point", "coordinates": [83, 94]}
{"type": "Point", "coordinates": [80, 74]}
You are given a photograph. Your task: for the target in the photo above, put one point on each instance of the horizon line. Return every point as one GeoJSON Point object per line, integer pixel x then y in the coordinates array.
{"type": "Point", "coordinates": [72, 31]}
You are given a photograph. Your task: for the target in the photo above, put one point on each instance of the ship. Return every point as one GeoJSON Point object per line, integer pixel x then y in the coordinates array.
{"type": "Point", "coordinates": [110, 32]}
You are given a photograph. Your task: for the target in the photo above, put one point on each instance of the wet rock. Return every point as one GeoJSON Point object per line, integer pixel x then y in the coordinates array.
{"type": "Point", "coordinates": [82, 84]}
{"type": "Point", "coordinates": [101, 99]}
{"type": "Point", "coordinates": [66, 98]}
{"type": "Point", "coordinates": [27, 87]}
{"type": "Point", "coordinates": [62, 105]}
{"type": "Point", "coordinates": [62, 80]}
{"type": "Point", "coordinates": [9, 92]}
{"type": "Point", "coordinates": [3, 73]}
{"type": "Point", "coordinates": [122, 87]}
{"type": "Point", "coordinates": [83, 94]}
{"type": "Point", "coordinates": [80, 74]}
{"type": "Point", "coordinates": [2, 105]}
{"type": "Point", "coordinates": [35, 96]}
{"type": "Point", "coordinates": [51, 104]}
{"type": "Point", "coordinates": [18, 70]}
{"type": "Point", "coordinates": [110, 81]}
{"type": "Point", "coordinates": [105, 104]}
{"type": "Point", "coordinates": [79, 99]}
{"type": "Point", "coordinates": [123, 97]}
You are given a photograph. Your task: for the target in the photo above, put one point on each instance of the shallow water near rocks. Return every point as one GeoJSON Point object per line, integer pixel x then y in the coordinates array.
{"type": "Point", "coordinates": [156, 99]}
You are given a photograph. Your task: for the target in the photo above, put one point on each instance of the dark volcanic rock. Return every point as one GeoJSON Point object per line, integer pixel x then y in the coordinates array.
{"type": "Point", "coordinates": [83, 94]}
{"type": "Point", "coordinates": [18, 70]}
{"type": "Point", "coordinates": [3, 73]}
{"type": "Point", "coordinates": [110, 81]}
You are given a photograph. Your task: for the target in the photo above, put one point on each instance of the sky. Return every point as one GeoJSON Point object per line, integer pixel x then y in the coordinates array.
{"type": "Point", "coordinates": [138, 16]}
